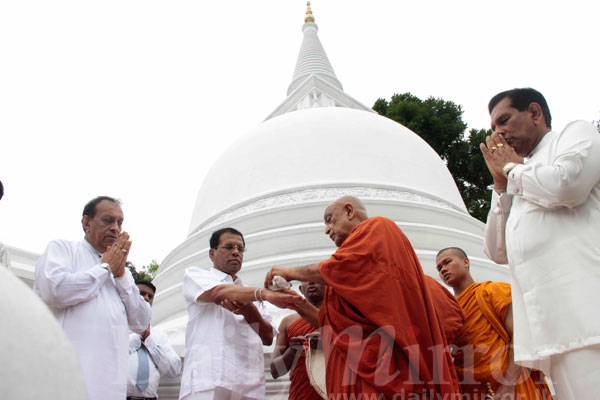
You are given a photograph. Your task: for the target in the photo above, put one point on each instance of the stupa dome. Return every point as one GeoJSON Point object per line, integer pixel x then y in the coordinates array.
{"type": "Point", "coordinates": [321, 146]}
{"type": "Point", "coordinates": [274, 183]}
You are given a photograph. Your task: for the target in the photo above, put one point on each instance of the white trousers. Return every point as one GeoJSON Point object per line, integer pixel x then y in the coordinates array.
{"type": "Point", "coordinates": [218, 393]}
{"type": "Point", "coordinates": [576, 374]}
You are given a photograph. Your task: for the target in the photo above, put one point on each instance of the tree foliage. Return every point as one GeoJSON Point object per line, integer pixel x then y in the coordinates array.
{"type": "Point", "coordinates": [146, 273]}
{"type": "Point", "coordinates": [439, 123]}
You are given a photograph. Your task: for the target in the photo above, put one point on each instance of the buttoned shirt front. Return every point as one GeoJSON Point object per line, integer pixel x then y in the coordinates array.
{"type": "Point", "coordinates": [222, 349]}
{"type": "Point", "coordinates": [547, 227]}
{"type": "Point", "coordinates": [163, 361]}
{"type": "Point", "coordinates": [96, 311]}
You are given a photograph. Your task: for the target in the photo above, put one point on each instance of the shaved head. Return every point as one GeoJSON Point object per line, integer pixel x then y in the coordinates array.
{"type": "Point", "coordinates": [456, 250]}
{"type": "Point", "coordinates": [342, 216]}
{"type": "Point", "coordinates": [356, 203]}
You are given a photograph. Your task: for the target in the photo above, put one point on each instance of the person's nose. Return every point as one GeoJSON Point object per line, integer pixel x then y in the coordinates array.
{"type": "Point", "coordinates": [499, 131]}
{"type": "Point", "coordinates": [115, 227]}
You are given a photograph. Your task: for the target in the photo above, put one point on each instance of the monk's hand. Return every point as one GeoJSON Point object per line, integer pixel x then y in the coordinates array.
{"type": "Point", "coordinates": [314, 340]}
{"type": "Point", "coordinates": [297, 343]}
{"type": "Point", "coordinates": [297, 305]}
{"type": "Point", "coordinates": [282, 299]}
{"type": "Point", "coordinates": [116, 254]}
{"type": "Point", "coordinates": [277, 270]}
{"type": "Point", "coordinates": [497, 153]}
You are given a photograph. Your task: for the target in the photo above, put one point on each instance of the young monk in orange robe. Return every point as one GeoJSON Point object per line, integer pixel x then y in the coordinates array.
{"type": "Point", "coordinates": [484, 359]}
{"type": "Point", "coordinates": [289, 353]}
{"type": "Point", "coordinates": [381, 335]}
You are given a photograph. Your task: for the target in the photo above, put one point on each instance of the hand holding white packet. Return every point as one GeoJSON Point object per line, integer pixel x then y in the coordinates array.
{"type": "Point", "coordinates": [279, 283]}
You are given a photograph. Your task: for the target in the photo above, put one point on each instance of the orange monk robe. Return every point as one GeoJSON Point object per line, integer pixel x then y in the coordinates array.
{"type": "Point", "coordinates": [448, 310]}
{"type": "Point", "coordinates": [380, 331]}
{"type": "Point", "coordinates": [483, 344]}
{"type": "Point", "coordinates": [300, 387]}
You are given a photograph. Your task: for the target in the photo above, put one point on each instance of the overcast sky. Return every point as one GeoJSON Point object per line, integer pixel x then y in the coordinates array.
{"type": "Point", "coordinates": [137, 99]}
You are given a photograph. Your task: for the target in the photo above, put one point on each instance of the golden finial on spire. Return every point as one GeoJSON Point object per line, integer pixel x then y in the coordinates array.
{"type": "Point", "coordinates": [309, 15]}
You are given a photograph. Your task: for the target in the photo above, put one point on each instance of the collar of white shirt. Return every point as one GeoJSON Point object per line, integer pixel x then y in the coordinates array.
{"type": "Point", "coordinates": [223, 277]}
{"type": "Point", "coordinates": [91, 248]}
{"type": "Point", "coordinates": [547, 138]}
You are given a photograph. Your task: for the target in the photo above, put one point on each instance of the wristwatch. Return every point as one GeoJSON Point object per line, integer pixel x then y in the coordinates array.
{"type": "Point", "coordinates": [106, 266]}
{"type": "Point", "coordinates": [508, 167]}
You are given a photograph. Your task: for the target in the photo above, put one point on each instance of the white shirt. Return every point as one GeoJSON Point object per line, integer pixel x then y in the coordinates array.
{"type": "Point", "coordinates": [163, 361]}
{"type": "Point", "coordinates": [547, 227]}
{"type": "Point", "coordinates": [222, 350]}
{"type": "Point", "coordinates": [95, 310]}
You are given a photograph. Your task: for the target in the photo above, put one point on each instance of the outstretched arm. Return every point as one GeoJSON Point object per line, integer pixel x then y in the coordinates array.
{"type": "Point", "coordinates": [238, 299]}
{"type": "Point", "coordinates": [309, 312]}
{"type": "Point", "coordinates": [307, 273]}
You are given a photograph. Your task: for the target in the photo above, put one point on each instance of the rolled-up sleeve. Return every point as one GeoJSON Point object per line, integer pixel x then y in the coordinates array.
{"type": "Point", "coordinates": [196, 281]}
{"type": "Point", "coordinates": [57, 284]}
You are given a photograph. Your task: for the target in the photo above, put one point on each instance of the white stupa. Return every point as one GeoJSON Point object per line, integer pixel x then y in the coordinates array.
{"type": "Point", "coordinates": [274, 183]}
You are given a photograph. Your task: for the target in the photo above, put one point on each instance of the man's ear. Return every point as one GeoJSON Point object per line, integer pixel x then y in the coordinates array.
{"type": "Point", "coordinates": [467, 263]}
{"type": "Point", "coordinates": [349, 211]}
{"type": "Point", "coordinates": [536, 114]}
{"type": "Point", "coordinates": [85, 222]}
{"type": "Point", "coordinates": [211, 254]}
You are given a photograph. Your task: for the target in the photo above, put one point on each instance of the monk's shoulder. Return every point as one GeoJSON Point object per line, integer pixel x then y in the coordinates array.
{"type": "Point", "coordinates": [495, 288]}
{"type": "Point", "coordinates": [497, 294]}
{"type": "Point", "coordinates": [379, 220]}
{"type": "Point", "coordinates": [287, 321]}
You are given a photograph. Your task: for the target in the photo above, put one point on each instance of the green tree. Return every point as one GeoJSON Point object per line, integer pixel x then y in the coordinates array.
{"type": "Point", "coordinates": [440, 124]}
{"type": "Point", "coordinates": [146, 273]}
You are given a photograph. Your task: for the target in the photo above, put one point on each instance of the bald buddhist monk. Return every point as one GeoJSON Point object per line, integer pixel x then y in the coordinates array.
{"type": "Point", "coordinates": [289, 354]}
{"type": "Point", "coordinates": [484, 357]}
{"type": "Point", "coordinates": [381, 335]}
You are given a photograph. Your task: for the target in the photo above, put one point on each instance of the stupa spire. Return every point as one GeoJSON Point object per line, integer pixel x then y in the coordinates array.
{"type": "Point", "coordinates": [312, 59]}
{"type": "Point", "coordinates": [314, 83]}
{"type": "Point", "coordinates": [309, 15]}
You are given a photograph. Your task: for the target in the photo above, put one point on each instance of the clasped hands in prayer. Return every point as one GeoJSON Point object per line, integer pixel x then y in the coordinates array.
{"type": "Point", "coordinates": [497, 153]}
{"type": "Point", "coordinates": [116, 254]}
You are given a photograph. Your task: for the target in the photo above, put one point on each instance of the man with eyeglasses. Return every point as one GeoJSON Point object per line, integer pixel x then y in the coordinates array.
{"type": "Point", "coordinates": [227, 327]}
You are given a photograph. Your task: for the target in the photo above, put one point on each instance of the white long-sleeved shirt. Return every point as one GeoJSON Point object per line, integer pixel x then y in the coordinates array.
{"type": "Point", "coordinates": [95, 310]}
{"type": "Point", "coordinates": [163, 361]}
{"type": "Point", "coordinates": [222, 349]}
{"type": "Point", "coordinates": [547, 227]}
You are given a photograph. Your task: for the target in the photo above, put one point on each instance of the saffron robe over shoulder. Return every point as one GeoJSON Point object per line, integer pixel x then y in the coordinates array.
{"type": "Point", "coordinates": [484, 343]}
{"type": "Point", "coordinates": [381, 334]}
{"type": "Point", "coordinates": [300, 387]}
{"type": "Point", "coordinates": [450, 313]}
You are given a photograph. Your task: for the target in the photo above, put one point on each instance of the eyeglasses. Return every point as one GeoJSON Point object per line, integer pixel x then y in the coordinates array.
{"type": "Point", "coordinates": [229, 247]}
